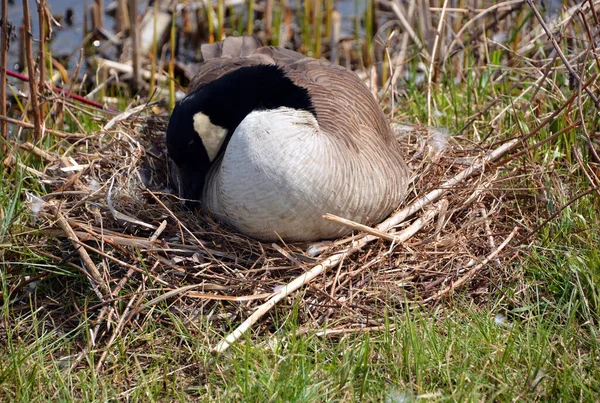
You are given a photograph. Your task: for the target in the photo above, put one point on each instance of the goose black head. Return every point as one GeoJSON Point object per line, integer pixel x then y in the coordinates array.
{"type": "Point", "coordinates": [203, 122]}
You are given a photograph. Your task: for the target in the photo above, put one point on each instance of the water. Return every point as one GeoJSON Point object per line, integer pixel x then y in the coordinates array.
{"type": "Point", "coordinates": [66, 40]}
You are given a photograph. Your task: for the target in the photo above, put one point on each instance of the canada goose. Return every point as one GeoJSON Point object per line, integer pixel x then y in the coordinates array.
{"type": "Point", "coordinates": [269, 140]}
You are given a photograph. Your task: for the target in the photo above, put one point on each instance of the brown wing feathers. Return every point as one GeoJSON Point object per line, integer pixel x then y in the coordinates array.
{"type": "Point", "coordinates": [324, 81]}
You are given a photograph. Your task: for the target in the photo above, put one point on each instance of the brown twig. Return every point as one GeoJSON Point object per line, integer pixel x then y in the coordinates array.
{"type": "Point", "coordinates": [591, 40]}
{"type": "Point", "coordinates": [126, 265]}
{"type": "Point", "coordinates": [408, 28]}
{"type": "Point", "coordinates": [593, 9]}
{"type": "Point", "coordinates": [43, 22]}
{"type": "Point", "coordinates": [91, 268]}
{"type": "Point", "coordinates": [51, 131]}
{"type": "Point", "coordinates": [35, 107]}
{"type": "Point", "coordinates": [66, 93]}
{"type": "Point", "coordinates": [360, 227]}
{"type": "Point", "coordinates": [133, 23]}
{"type": "Point", "coordinates": [481, 14]}
{"type": "Point", "coordinates": [43, 154]}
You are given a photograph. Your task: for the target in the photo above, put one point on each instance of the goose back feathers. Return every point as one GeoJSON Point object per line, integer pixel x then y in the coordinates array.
{"type": "Point", "coordinates": [269, 140]}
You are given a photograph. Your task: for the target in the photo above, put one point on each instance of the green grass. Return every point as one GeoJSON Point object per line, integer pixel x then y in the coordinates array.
{"type": "Point", "coordinates": [548, 348]}
{"type": "Point", "coordinates": [458, 354]}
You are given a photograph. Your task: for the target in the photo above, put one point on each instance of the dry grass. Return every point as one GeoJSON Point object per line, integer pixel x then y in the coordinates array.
{"type": "Point", "coordinates": [109, 202]}
{"type": "Point", "coordinates": [110, 215]}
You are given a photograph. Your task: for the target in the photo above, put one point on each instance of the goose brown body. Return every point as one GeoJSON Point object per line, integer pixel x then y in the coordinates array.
{"type": "Point", "coordinates": [282, 168]}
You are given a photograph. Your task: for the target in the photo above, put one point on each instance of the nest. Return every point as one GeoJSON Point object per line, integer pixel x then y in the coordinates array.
{"type": "Point", "coordinates": [110, 214]}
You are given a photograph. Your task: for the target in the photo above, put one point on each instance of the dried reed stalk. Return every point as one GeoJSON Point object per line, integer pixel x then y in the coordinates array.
{"type": "Point", "coordinates": [3, 55]}
{"type": "Point", "coordinates": [360, 227]}
{"type": "Point", "coordinates": [336, 24]}
{"type": "Point", "coordinates": [172, 45]}
{"type": "Point", "coordinates": [318, 27]}
{"type": "Point", "coordinates": [86, 28]}
{"type": "Point", "coordinates": [220, 20]}
{"type": "Point", "coordinates": [498, 6]}
{"type": "Point", "coordinates": [21, 44]}
{"type": "Point", "coordinates": [268, 18]}
{"type": "Point", "coordinates": [436, 44]}
{"type": "Point", "coordinates": [250, 25]}
{"type": "Point", "coordinates": [122, 16]}
{"type": "Point", "coordinates": [35, 107]}
{"type": "Point", "coordinates": [95, 17]}
{"type": "Point", "coordinates": [100, 13]}
{"type": "Point", "coordinates": [43, 154]}
{"type": "Point", "coordinates": [135, 46]}
{"type": "Point", "coordinates": [31, 126]}
{"type": "Point", "coordinates": [405, 24]}
{"type": "Point", "coordinates": [43, 23]}
{"type": "Point", "coordinates": [91, 268]}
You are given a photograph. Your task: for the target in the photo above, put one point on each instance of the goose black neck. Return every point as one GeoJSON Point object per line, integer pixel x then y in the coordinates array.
{"type": "Point", "coordinates": [229, 99]}
{"type": "Point", "coordinates": [226, 101]}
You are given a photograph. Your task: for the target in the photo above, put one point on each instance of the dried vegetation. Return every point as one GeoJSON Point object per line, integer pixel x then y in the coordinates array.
{"type": "Point", "coordinates": [478, 196]}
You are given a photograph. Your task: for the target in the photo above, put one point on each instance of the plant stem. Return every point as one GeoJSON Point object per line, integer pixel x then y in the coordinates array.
{"type": "Point", "coordinates": [4, 55]}
{"type": "Point", "coordinates": [41, 5]}
{"type": "Point", "coordinates": [35, 107]}
{"type": "Point", "coordinates": [135, 46]}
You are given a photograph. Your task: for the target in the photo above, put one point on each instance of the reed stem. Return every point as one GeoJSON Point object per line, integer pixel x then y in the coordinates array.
{"type": "Point", "coordinates": [221, 19]}
{"type": "Point", "coordinates": [211, 22]}
{"type": "Point", "coordinates": [306, 28]}
{"type": "Point", "coordinates": [318, 24]}
{"type": "Point", "coordinates": [43, 26]}
{"type": "Point", "coordinates": [277, 21]}
{"type": "Point", "coordinates": [268, 17]}
{"type": "Point", "coordinates": [35, 107]}
{"type": "Point", "coordinates": [3, 63]}
{"type": "Point", "coordinates": [100, 15]}
{"type": "Point", "coordinates": [369, 31]}
{"type": "Point", "coordinates": [154, 50]}
{"type": "Point", "coordinates": [135, 46]}
{"type": "Point", "coordinates": [250, 26]}
{"type": "Point", "coordinates": [172, 65]}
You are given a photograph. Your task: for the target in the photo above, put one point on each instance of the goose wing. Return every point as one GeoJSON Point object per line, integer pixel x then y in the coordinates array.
{"type": "Point", "coordinates": [345, 107]}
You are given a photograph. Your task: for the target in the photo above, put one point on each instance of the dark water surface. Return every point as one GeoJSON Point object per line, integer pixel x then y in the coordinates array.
{"type": "Point", "coordinates": [66, 40]}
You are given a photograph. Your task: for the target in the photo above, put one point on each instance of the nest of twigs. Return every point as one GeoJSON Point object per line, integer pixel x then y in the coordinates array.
{"type": "Point", "coordinates": [111, 214]}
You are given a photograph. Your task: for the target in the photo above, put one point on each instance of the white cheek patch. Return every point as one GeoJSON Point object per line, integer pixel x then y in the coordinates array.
{"type": "Point", "coordinates": [212, 136]}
